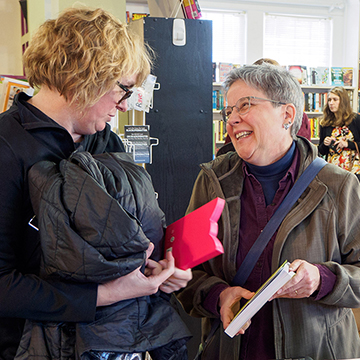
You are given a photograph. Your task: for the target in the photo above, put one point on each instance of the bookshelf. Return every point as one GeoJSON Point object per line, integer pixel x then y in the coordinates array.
{"type": "Point", "coordinates": [218, 124]}
{"type": "Point", "coordinates": [315, 99]}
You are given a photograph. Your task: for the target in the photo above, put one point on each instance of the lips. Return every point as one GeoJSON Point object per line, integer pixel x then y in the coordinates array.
{"type": "Point", "coordinates": [242, 134]}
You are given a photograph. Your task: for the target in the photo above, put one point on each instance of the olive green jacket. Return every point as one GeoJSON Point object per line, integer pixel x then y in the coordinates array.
{"type": "Point", "coordinates": [323, 227]}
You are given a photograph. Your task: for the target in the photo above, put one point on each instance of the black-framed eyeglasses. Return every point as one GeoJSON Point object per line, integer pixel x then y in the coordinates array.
{"type": "Point", "coordinates": [242, 106]}
{"type": "Point", "coordinates": [127, 94]}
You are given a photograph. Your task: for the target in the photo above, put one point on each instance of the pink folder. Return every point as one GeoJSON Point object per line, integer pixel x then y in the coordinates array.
{"type": "Point", "coordinates": [193, 238]}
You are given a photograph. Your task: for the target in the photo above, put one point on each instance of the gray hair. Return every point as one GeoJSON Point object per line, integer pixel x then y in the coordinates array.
{"type": "Point", "coordinates": [275, 82]}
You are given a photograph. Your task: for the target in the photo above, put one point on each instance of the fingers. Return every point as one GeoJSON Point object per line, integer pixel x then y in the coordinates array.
{"type": "Point", "coordinates": [244, 328]}
{"type": "Point", "coordinates": [303, 284]}
{"type": "Point", "coordinates": [178, 280]}
{"type": "Point", "coordinates": [227, 299]}
{"type": "Point", "coordinates": [152, 268]}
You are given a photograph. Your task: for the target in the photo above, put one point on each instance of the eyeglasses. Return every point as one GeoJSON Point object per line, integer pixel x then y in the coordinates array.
{"type": "Point", "coordinates": [242, 106]}
{"type": "Point", "coordinates": [127, 92]}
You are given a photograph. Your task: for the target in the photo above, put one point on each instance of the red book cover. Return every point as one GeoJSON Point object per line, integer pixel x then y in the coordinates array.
{"type": "Point", "coordinates": [193, 238]}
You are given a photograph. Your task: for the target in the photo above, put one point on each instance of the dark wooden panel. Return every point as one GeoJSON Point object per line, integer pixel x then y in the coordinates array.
{"type": "Point", "coordinates": [182, 113]}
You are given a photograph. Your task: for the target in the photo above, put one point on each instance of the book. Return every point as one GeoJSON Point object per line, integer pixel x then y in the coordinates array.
{"type": "Point", "coordinates": [299, 72]}
{"type": "Point", "coordinates": [337, 76]}
{"type": "Point", "coordinates": [137, 16]}
{"type": "Point", "coordinates": [193, 238]}
{"type": "Point", "coordinates": [277, 280]}
{"type": "Point", "coordinates": [224, 69]}
{"type": "Point", "coordinates": [192, 9]}
{"type": "Point", "coordinates": [347, 76]}
{"type": "Point", "coordinates": [319, 76]}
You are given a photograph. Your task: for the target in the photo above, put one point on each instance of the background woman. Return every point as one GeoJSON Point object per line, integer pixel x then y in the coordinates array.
{"type": "Point", "coordinates": [340, 132]}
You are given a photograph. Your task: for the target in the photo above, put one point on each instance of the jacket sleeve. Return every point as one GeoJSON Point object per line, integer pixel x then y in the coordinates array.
{"type": "Point", "coordinates": [355, 129]}
{"type": "Point", "coordinates": [342, 239]}
{"type": "Point", "coordinates": [204, 278]}
{"type": "Point", "coordinates": [323, 149]}
{"type": "Point", "coordinates": [24, 294]}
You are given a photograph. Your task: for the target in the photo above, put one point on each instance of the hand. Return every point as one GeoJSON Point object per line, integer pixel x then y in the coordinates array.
{"type": "Point", "coordinates": [341, 144]}
{"type": "Point", "coordinates": [136, 284]}
{"type": "Point", "coordinates": [303, 284]}
{"type": "Point", "coordinates": [228, 298]}
{"type": "Point", "coordinates": [328, 140]}
{"type": "Point", "coordinates": [177, 280]}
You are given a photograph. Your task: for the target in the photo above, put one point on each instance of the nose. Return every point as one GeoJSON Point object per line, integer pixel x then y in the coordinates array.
{"type": "Point", "coordinates": [234, 118]}
{"type": "Point", "coordinates": [123, 106]}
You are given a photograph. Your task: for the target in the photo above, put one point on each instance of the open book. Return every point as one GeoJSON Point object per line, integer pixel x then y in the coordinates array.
{"type": "Point", "coordinates": [193, 238]}
{"type": "Point", "coordinates": [278, 279]}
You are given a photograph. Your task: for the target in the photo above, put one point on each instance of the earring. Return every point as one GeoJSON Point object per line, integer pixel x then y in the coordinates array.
{"type": "Point", "coordinates": [287, 125]}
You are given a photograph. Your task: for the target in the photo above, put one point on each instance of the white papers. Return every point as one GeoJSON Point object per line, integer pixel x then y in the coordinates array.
{"type": "Point", "coordinates": [280, 277]}
{"type": "Point", "coordinates": [142, 96]}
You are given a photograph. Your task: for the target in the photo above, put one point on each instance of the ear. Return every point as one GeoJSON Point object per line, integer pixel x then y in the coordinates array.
{"type": "Point", "coordinates": [290, 113]}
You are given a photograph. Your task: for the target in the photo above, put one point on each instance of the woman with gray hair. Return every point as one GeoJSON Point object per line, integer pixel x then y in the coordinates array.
{"type": "Point", "coordinates": [311, 315]}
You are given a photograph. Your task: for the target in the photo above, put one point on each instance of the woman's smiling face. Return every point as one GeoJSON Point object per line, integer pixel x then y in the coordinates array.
{"type": "Point", "coordinates": [258, 136]}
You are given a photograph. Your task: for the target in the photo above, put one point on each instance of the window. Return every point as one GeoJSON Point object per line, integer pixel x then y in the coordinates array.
{"type": "Point", "coordinates": [298, 40]}
{"type": "Point", "coordinates": [229, 36]}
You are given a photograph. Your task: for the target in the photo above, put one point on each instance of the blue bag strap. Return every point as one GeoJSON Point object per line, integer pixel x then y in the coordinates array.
{"type": "Point", "coordinates": [254, 253]}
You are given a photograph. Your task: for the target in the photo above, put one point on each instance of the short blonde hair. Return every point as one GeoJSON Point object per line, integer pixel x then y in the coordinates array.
{"type": "Point", "coordinates": [83, 53]}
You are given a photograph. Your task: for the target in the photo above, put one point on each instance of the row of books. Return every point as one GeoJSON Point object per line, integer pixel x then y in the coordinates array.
{"type": "Point", "coordinates": [218, 100]}
{"type": "Point", "coordinates": [221, 69]}
{"type": "Point", "coordinates": [323, 76]}
{"type": "Point", "coordinates": [320, 76]}
{"type": "Point", "coordinates": [219, 131]}
{"type": "Point", "coordinates": [314, 126]}
{"type": "Point", "coordinates": [316, 101]}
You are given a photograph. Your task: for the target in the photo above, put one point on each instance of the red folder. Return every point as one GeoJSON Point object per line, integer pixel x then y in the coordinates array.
{"type": "Point", "coordinates": [193, 238]}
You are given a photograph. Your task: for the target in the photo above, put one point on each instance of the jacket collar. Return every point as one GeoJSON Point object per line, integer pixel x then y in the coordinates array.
{"type": "Point", "coordinates": [31, 117]}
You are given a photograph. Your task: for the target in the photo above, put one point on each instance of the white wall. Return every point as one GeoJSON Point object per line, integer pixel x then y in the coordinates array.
{"type": "Point", "coordinates": [345, 15]}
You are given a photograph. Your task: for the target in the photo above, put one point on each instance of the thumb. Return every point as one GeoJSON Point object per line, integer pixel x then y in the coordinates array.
{"type": "Point", "coordinates": [248, 294]}
{"type": "Point", "coordinates": [149, 250]}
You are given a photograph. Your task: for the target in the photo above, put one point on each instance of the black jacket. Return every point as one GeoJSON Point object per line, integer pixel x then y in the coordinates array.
{"type": "Point", "coordinates": [99, 214]}
{"type": "Point", "coordinates": [354, 127]}
{"type": "Point", "coordinates": [28, 136]}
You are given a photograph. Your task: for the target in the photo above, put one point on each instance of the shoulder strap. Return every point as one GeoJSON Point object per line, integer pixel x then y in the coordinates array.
{"type": "Point", "coordinates": [299, 187]}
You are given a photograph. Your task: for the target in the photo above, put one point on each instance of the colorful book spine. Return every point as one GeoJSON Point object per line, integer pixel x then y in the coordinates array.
{"type": "Point", "coordinates": [337, 76]}
{"type": "Point", "coordinates": [214, 99]}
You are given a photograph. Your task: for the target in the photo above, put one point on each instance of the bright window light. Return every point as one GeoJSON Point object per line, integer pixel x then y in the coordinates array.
{"type": "Point", "coordinates": [229, 36]}
{"type": "Point", "coordinates": [298, 40]}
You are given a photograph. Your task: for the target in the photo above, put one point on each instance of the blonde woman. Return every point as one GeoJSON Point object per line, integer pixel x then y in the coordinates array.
{"type": "Point", "coordinates": [340, 132]}
{"type": "Point", "coordinates": [85, 63]}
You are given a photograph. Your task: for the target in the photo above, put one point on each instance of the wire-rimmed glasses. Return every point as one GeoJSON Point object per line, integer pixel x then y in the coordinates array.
{"type": "Point", "coordinates": [242, 106]}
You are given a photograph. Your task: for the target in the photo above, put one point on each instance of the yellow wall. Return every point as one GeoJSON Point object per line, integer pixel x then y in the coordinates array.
{"type": "Point", "coordinates": [10, 39]}
{"type": "Point", "coordinates": [38, 12]}
{"type": "Point", "coordinates": [41, 10]}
